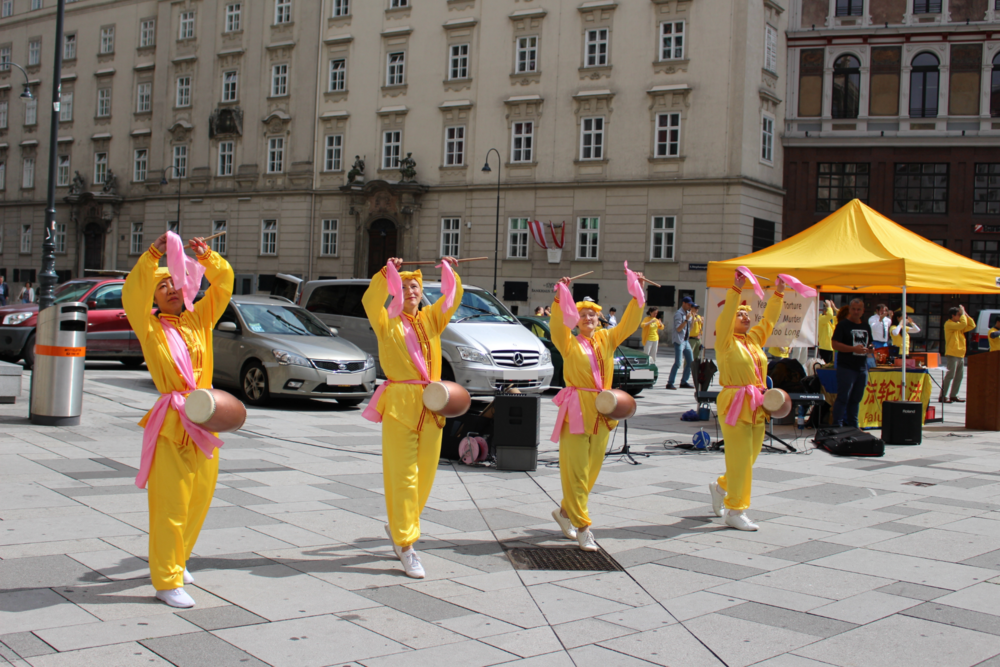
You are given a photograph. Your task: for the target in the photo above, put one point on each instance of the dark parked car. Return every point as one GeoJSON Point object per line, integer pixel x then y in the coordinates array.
{"type": "Point", "coordinates": [642, 373]}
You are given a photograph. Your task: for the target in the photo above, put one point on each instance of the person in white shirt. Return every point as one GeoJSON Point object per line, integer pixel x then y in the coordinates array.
{"type": "Point", "coordinates": [880, 323]}
{"type": "Point", "coordinates": [612, 317]}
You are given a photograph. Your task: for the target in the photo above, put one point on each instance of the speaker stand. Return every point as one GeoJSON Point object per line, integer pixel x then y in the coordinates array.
{"type": "Point", "coordinates": [773, 438]}
{"type": "Point", "coordinates": [625, 452]}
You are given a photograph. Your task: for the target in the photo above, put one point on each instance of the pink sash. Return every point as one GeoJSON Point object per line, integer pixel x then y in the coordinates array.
{"type": "Point", "coordinates": [185, 271]}
{"type": "Point", "coordinates": [568, 399]}
{"type": "Point", "coordinates": [751, 392]}
{"type": "Point", "coordinates": [371, 412]}
{"type": "Point", "coordinates": [206, 440]}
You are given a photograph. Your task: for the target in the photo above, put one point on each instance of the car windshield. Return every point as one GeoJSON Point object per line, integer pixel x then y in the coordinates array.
{"type": "Point", "coordinates": [476, 306]}
{"type": "Point", "coordinates": [284, 320]}
{"type": "Point", "coordinates": [73, 291]}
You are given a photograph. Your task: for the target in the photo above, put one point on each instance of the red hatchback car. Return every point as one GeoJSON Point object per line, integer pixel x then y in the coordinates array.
{"type": "Point", "coordinates": [109, 335]}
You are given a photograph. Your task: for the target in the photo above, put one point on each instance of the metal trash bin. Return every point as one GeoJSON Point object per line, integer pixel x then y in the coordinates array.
{"type": "Point", "coordinates": [57, 378]}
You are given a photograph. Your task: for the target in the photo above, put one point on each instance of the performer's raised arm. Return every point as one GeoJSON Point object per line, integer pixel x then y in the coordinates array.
{"type": "Point", "coordinates": [438, 316]}
{"type": "Point", "coordinates": [374, 303]}
{"type": "Point", "coordinates": [140, 288]}
{"type": "Point", "coordinates": [760, 332]}
{"type": "Point", "coordinates": [220, 277]}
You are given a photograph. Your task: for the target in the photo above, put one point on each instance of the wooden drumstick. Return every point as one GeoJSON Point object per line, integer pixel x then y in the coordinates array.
{"type": "Point", "coordinates": [467, 259]}
{"type": "Point", "coordinates": [581, 275]}
{"type": "Point", "coordinates": [647, 280]}
{"type": "Point", "coordinates": [213, 236]}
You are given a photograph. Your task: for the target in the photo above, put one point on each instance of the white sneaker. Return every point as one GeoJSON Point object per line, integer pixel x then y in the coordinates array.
{"type": "Point", "coordinates": [411, 563]}
{"type": "Point", "coordinates": [739, 520]}
{"type": "Point", "coordinates": [176, 597]}
{"type": "Point", "coordinates": [718, 496]}
{"type": "Point", "coordinates": [567, 528]}
{"type": "Point", "coordinates": [188, 579]}
{"type": "Point", "coordinates": [395, 547]}
{"type": "Point", "coordinates": [585, 537]}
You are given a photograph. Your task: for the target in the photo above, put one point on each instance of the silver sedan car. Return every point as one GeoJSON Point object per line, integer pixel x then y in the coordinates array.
{"type": "Point", "coordinates": [267, 346]}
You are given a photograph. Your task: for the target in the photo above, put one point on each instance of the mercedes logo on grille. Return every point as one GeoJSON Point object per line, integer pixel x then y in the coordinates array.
{"type": "Point", "coordinates": [518, 359]}
{"type": "Point", "coordinates": [342, 367]}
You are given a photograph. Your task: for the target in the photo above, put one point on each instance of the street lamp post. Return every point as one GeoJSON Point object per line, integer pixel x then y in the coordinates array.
{"type": "Point", "coordinates": [163, 181]}
{"type": "Point", "coordinates": [496, 234]}
{"type": "Point", "coordinates": [47, 278]}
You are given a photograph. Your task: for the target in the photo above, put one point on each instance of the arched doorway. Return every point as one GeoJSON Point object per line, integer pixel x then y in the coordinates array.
{"type": "Point", "coordinates": [93, 246]}
{"type": "Point", "coordinates": [381, 244]}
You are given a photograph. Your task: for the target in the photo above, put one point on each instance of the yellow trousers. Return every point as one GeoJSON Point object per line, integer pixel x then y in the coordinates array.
{"type": "Point", "coordinates": [580, 460]}
{"type": "Point", "coordinates": [743, 443]}
{"type": "Point", "coordinates": [180, 488]}
{"type": "Point", "coordinates": [409, 464]}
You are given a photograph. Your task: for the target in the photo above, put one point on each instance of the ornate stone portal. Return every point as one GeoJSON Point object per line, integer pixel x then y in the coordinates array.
{"type": "Point", "coordinates": [384, 214]}
{"type": "Point", "coordinates": [93, 215]}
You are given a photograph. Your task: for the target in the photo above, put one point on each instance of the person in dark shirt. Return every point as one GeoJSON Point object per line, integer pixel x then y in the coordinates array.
{"type": "Point", "coordinates": [852, 340]}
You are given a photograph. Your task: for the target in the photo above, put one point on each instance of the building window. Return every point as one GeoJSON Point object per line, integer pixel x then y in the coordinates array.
{"type": "Point", "coordinates": [458, 65]}
{"type": "Point", "coordinates": [100, 168]}
{"type": "Point", "coordinates": [26, 239]}
{"type": "Point", "coordinates": [5, 58]}
{"type": "Point", "coordinates": [183, 98]}
{"type": "Point", "coordinates": [3, 115]}
{"type": "Point", "coordinates": [338, 75]}
{"type": "Point", "coordinates": [926, 6]}
{"type": "Point", "coordinates": [341, 8]}
{"type": "Point", "coordinates": [282, 11]}
{"type": "Point", "coordinates": [995, 87]}
{"type": "Point", "coordinates": [840, 182]}
{"type": "Point", "coordinates": [920, 188]}
{"type": "Point", "coordinates": [147, 33]}
{"type": "Point", "coordinates": [767, 139]}
{"type": "Point", "coordinates": [328, 243]}
{"type": "Point", "coordinates": [186, 26]}
{"type": "Point", "coordinates": [7, 8]}
{"type": "Point", "coordinates": [592, 138]}
{"type": "Point", "coordinates": [226, 151]}
{"type": "Point", "coordinates": [965, 79]}
{"type": "Point", "coordinates": [62, 171]}
{"type": "Point", "coordinates": [28, 173]}
{"type": "Point", "coordinates": [517, 238]}
{"type": "Point", "coordinates": [279, 80]}
{"type": "Point", "coordinates": [395, 69]}
{"type": "Point", "coordinates": [395, 4]}
{"type": "Point", "coordinates": [454, 146]}
{"type": "Point", "coordinates": [334, 158]}
{"type": "Point", "coordinates": [662, 241]}
{"type": "Point", "coordinates": [234, 17]}
{"type": "Point", "coordinates": [275, 155]}
{"type": "Point", "coordinates": [587, 237]}
{"type": "Point", "coordinates": [34, 52]}
{"type": "Point", "coordinates": [672, 40]}
{"type": "Point", "coordinates": [66, 107]}
{"type": "Point", "coordinates": [450, 236]}
{"type": "Point", "coordinates": [668, 135]}
{"type": "Point", "coordinates": [219, 243]}
{"type": "Point", "coordinates": [144, 98]}
{"type": "Point", "coordinates": [597, 48]}
{"type": "Point", "coordinates": [180, 161]}
{"type": "Point", "coordinates": [924, 78]}
{"type": "Point", "coordinates": [103, 102]}
{"type": "Point", "coordinates": [269, 237]}
{"type": "Point", "coordinates": [135, 239]}
{"type": "Point", "coordinates": [31, 111]}
{"type": "Point", "coordinates": [60, 238]}
{"type": "Point", "coordinates": [69, 47]}
{"type": "Point", "coordinates": [139, 164]}
{"type": "Point", "coordinates": [846, 87]}
{"type": "Point", "coordinates": [391, 146]}
{"type": "Point", "coordinates": [763, 234]}
{"type": "Point", "coordinates": [849, 7]}
{"type": "Point", "coordinates": [107, 40]}
{"type": "Point", "coordinates": [229, 86]}
{"type": "Point", "coordinates": [770, 48]}
{"type": "Point", "coordinates": [522, 142]}
{"type": "Point", "coordinates": [36, 4]}
{"type": "Point", "coordinates": [527, 54]}
{"type": "Point", "coordinates": [987, 252]}
{"type": "Point", "coordinates": [986, 193]}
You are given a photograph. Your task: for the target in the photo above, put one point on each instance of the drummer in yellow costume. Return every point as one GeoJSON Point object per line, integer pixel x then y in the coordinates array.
{"type": "Point", "coordinates": [411, 435]}
{"type": "Point", "coordinates": [743, 376]}
{"type": "Point", "coordinates": [181, 478]}
{"type": "Point", "coordinates": [582, 445]}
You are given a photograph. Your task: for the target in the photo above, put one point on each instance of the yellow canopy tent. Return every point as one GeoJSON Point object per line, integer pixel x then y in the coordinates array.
{"type": "Point", "coordinates": [857, 249]}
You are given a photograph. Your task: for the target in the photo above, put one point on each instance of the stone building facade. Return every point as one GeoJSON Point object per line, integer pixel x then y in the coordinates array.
{"type": "Point", "coordinates": [643, 130]}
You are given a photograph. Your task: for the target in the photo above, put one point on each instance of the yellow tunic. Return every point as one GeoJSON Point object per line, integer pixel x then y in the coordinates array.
{"type": "Point", "coordinates": [697, 324]}
{"type": "Point", "coordinates": [898, 338]}
{"type": "Point", "coordinates": [827, 323]}
{"type": "Point", "coordinates": [651, 327]}
{"type": "Point", "coordinates": [779, 352]}
{"type": "Point", "coordinates": [954, 335]}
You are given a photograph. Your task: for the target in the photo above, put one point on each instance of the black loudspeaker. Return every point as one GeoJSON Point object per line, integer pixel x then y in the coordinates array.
{"type": "Point", "coordinates": [516, 420]}
{"type": "Point", "coordinates": [902, 422]}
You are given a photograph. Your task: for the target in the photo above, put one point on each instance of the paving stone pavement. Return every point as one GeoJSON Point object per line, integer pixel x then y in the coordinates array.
{"type": "Point", "coordinates": [853, 564]}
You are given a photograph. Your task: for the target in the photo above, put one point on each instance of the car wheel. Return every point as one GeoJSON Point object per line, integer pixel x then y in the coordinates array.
{"type": "Point", "coordinates": [350, 402]}
{"type": "Point", "coordinates": [29, 353]}
{"type": "Point", "coordinates": [253, 383]}
{"type": "Point", "coordinates": [132, 362]}
{"type": "Point", "coordinates": [447, 374]}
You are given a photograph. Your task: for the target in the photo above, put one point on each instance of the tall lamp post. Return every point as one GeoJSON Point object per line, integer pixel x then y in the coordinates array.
{"type": "Point", "coordinates": [496, 235]}
{"type": "Point", "coordinates": [47, 278]}
{"type": "Point", "coordinates": [163, 181]}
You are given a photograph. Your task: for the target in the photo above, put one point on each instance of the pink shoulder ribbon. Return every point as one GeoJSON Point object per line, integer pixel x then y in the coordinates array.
{"type": "Point", "coordinates": [752, 279]}
{"type": "Point", "coordinates": [371, 412]}
{"type": "Point", "coordinates": [206, 441]}
{"type": "Point", "coordinates": [568, 399]}
{"type": "Point", "coordinates": [448, 285]}
{"type": "Point", "coordinates": [395, 284]}
{"type": "Point", "coordinates": [798, 285]}
{"type": "Point", "coordinates": [570, 314]}
{"type": "Point", "coordinates": [634, 286]}
{"type": "Point", "coordinates": [185, 271]}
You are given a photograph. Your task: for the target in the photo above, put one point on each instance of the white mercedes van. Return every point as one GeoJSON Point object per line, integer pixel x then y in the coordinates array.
{"type": "Point", "coordinates": [483, 348]}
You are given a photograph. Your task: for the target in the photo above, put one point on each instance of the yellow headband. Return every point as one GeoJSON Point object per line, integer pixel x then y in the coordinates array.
{"type": "Point", "coordinates": [744, 309]}
{"type": "Point", "coordinates": [160, 274]}
{"type": "Point", "coordinates": [580, 305]}
{"type": "Point", "coordinates": [413, 275]}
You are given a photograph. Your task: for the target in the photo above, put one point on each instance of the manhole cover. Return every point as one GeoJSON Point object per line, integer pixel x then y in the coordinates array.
{"type": "Point", "coordinates": [561, 558]}
{"type": "Point", "coordinates": [918, 484]}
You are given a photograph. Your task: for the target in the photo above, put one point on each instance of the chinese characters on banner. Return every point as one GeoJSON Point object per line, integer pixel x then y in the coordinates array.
{"type": "Point", "coordinates": [886, 385]}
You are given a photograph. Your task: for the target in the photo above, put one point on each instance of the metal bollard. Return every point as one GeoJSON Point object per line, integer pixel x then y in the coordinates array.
{"type": "Point", "coordinates": [60, 351]}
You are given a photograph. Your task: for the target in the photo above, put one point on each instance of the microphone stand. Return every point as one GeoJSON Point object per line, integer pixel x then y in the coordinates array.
{"type": "Point", "coordinates": [625, 452]}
